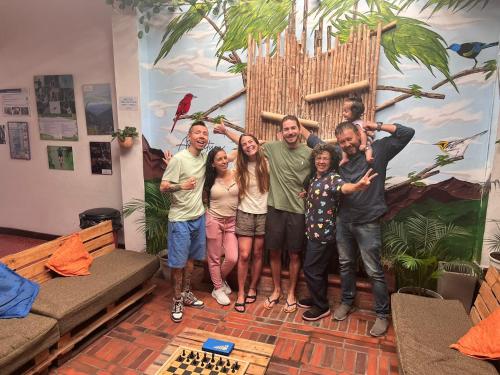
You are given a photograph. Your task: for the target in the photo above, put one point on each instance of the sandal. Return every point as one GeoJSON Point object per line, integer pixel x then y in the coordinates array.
{"type": "Point", "coordinates": [269, 303]}
{"type": "Point", "coordinates": [251, 298]}
{"type": "Point", "coordinates": [290, 307]}
{"type": "Point", "coordinates": [240, 307]}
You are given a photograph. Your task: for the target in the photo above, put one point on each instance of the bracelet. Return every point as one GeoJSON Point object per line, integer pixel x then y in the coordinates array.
{"type": "Point", "coordinates": [379, 125]}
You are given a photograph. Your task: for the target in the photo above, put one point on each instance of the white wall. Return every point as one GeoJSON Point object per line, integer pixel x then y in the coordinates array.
{"type": "Point", "coordinates": [55, 37]}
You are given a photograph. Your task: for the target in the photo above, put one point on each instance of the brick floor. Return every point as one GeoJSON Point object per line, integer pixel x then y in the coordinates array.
{"type": "Point", "coordinates": [323, 347]}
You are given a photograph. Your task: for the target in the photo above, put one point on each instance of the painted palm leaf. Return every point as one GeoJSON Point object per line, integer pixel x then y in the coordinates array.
{"type": "Point", "coordinates": [411, 39]}
{"type": "Point", "coordinates": [453, 5]}
{"type": "Point", "coordinates": [180, 25]}
{"type": "Point", "coordinates": [253, 17]}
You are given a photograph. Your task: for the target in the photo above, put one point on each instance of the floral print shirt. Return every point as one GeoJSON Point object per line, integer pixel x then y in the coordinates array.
{"type": "Point", "coordinates": [321, 207]}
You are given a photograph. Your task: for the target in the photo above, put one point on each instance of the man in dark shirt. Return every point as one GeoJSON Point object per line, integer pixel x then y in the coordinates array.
{"type": "Point", "coordinates": [359, 214]}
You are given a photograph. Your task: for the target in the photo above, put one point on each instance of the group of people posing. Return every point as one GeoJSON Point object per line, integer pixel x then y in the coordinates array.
{"type": "Point", "coordinates": [278, 192]}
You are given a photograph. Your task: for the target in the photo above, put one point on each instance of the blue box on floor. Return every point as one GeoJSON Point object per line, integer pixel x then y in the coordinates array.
{"type": "Point", "coordinates": [218, 346]}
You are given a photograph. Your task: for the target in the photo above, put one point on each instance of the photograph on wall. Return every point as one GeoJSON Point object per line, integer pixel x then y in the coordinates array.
{"type": "Point", "coordinates": [100, 158]}
{"type": "Point", "coordinates": [2, 134]}
{"type": "Point", "coordinates": [55, 104]}
{"type": "Point", "coordinates": [19, 141]}
{"type": "Point", "coordinates": [60, 157]}
{"type": "Point", "coordinates": [14, 102]}
{"type": "Point", "coordinates": [98, 109]}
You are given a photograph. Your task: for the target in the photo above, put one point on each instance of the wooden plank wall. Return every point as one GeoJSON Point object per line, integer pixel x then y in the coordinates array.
{"type": "Point", "coordinates": [278, 82]}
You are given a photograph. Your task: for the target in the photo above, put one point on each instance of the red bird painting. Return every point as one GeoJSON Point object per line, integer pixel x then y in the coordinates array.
{"type": "Point", "coordinates": [182, 108]}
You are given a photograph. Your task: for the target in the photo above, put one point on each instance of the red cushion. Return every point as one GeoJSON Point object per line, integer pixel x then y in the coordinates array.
{"type": "Point", "coordinates": [71, 258]}
{"type": "Point", "coordinates": [483, 340]}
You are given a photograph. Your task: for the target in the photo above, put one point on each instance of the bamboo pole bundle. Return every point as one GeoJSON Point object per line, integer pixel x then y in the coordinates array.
{"type": "Point", "coordinates": [339, 91]}
{"type": "Point", "coordinates": [277, 117]}
{"type": "Point", "coordinates": [375, 78]}
{"type": "Point", "coordinates": [336, 68]}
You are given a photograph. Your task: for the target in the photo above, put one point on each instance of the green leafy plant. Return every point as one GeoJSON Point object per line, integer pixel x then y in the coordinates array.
{"type": "Point", "coordinates": [414, 247]}
{"type": "Point", "coordinates": [121, 134]}
{"type": "Point", "coordinates": [153, 210]}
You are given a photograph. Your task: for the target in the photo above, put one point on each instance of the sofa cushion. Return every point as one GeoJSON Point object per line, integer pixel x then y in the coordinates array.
{"type": "Point", "coordinates": [425, 328]}
{"type": "Point", "coordinates": [72, 300]}
{"type": "Point", "coordinates": [22, 339]}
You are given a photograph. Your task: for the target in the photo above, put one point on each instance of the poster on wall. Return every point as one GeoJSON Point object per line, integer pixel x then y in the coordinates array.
{"type": "Point", "coordinates": [100, 158]}
{"type": "Point", "coordinates": [55, 104]}
{"type": "Point", "coordinates": [2, 134]}
{"type": "Point", "coordinates": [14, 102]}
{"type": "Point", "coordinates": [60, 157]}
{"type": "Point", "coordinates": [98, 109]}
{"type": "Point", "coordinates": [19, 141]}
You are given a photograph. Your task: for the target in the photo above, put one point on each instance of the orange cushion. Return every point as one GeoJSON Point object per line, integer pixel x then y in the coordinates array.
{"type": "Point", "coordinates": [71, 259]}
{"type": "Point", "coordinates": [483, 340]}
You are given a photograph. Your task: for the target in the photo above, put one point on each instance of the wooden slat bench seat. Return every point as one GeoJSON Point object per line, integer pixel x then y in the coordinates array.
{"type": "Point", "coordinates": [81, 304]}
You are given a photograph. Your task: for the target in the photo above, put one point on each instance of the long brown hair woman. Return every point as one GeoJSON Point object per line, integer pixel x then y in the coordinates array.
{"type": "Point", "coordinates": [252, 177]}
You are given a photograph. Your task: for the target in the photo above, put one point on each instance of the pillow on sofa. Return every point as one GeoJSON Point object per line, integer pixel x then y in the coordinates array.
{"type": "Point", "coordinates": [483, 340]}
{"type": "Point", "coordinates": [71, 259]}
{"type": "Point", "coordinates": [17, 294]}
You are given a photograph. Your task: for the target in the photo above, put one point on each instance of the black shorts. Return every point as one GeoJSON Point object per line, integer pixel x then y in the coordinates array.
{"type": "Point", "coordinates": [284, 230]}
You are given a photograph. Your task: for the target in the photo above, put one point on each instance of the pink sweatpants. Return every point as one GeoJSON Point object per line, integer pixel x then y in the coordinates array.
{"type": "Point", "coordinates": [221, 240]}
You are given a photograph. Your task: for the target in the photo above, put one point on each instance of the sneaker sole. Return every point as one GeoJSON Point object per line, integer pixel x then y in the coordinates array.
{"type": "Point", "coordinates": [302, 306]}
{"type": "Point", "coordinates": [346, 315]}
{"type": "Point", "coordinates": [324, 315]}
{"type": "Point", "coordinates": [195, 307]}
{"type": "Point", "coordinates": [175, 320]}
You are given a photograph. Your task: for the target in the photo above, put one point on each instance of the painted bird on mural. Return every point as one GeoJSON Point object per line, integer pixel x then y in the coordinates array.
{"type": "Point", "coordinates": [182, 108]}
{"type": "Point", "coordinates": [470, 50]}
{"type": "Point", "coordinates": [457, 147]}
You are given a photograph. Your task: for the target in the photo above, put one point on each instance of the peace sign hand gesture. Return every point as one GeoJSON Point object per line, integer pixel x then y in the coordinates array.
{"type": "Point", "coordinates": [366, 180]}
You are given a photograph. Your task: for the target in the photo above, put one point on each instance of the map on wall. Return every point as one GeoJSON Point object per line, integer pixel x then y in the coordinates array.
{"type": "Point", "coordinates": [55, 103]}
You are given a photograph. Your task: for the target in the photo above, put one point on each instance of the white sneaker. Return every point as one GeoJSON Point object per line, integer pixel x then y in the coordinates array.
{"type": "Point", "coordinates": [226, 288]}
{"type": "Point", "coordinates": [221, 297]}
{"type": "Point", "coordinates": [177, 310]}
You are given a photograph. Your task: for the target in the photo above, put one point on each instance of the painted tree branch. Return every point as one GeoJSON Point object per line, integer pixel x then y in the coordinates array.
{"type": "Point", "coordinates": [408, 94]}
{"type": "Point", "coordinates": [223, 102]}
{"type": "Point", "coordinates": [461, 74]}
{"type": "Point", "coordinates": [424, 173]}
{"type": "Point", "coordinates": [409, 91]}
{"type": "Point", "coordinates": [214, 121]}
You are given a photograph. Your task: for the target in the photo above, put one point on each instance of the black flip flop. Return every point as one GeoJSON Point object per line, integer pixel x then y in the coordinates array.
{"type": "Point", "coordinates": [237, 304]}
{"type": "Point", "coordinates": [271, 303]}
{"type": "Point", "coordinates": [251, 298]}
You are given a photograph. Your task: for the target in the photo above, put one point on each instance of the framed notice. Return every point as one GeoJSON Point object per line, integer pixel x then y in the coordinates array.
{"type": "Point", "coordinates": [15, 102]}
{"type": "Point", "coordinates": [55, 104]}
{"type": "Point", "coordinates": [98, 109]}
{"type": "Point", "coordinates": [19, 141]}
{"type": "Point", "coordinates": [100, 158]}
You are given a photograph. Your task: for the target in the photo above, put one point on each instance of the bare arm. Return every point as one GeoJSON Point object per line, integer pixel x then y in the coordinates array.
{"type": "Point", "coordinates": [170, 187]}
{"type": "Point", "coordinates": [362, 184]}
{"type": "Point", "coordinates": [221, 129]}
{"type": "Point", "coordinates": [232, 155]}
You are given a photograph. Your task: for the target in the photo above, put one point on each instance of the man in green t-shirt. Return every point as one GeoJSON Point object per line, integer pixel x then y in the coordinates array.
{"type": "Point", "coordinates": [184, 179]}
{"type": "Point", "coordinates": [285, 222]}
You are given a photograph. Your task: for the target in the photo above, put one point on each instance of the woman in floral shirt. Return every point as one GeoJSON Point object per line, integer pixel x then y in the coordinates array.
{"type": "Point", "coordinates": [322, 192]}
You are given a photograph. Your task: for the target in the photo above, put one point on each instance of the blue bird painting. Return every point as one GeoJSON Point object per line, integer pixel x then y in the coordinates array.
{"type": "Point", "coordinates": [471, 50]}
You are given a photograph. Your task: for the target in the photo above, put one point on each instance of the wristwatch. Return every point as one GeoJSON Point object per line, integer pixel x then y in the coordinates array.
{"type": "Point", "coordinates": [379, 125]}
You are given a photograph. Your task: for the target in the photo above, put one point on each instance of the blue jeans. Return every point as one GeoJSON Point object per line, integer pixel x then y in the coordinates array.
{"type": "Point", "coordinates": [368, 239]}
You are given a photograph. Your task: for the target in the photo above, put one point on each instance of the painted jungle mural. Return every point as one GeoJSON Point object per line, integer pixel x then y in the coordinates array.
{"type": "Point", "coordinates": [435, 71]}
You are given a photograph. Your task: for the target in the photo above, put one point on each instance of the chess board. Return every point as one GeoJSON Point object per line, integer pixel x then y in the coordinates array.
{"type": "Point", "coordinates": [187, 361]}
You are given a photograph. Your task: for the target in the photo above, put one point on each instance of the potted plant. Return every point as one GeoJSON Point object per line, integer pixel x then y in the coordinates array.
{"type": "Point", "coordinates": [153, 221]}
{"type": "Point", "coordinates": [494, 247]}
{"type": "Point", "coordinates": [125, 136]}
{"type": "Point", "coordinates": [414, 247]}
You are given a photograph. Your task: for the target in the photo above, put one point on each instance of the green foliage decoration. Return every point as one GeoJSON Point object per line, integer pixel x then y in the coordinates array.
{"type": "Point", "coordinates": [437, 5]}
{"type": "Point", "coordinates": [153, 210]}
{"type": "Point", "coordinates": [121, 134]}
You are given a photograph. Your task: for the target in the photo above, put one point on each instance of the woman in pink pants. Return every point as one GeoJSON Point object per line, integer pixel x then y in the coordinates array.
{"type": "Point", "coordinates": [221, 193]}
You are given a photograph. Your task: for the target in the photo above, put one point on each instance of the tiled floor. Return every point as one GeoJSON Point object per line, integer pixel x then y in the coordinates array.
{"type": "Point", "coordinates": [325, 347]}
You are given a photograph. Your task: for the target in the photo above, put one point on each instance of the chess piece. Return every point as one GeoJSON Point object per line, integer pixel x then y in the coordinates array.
{"type": "Point", "coordinates": [213, 358]}
{"type": "Point", "coordinates": [183, 353]}
{"type": "Point", "coordinates": [224, 369]}
{"type": "Point", "coordinates": [205, 357]}
{"type": "Point", "coordinates": [191, 355]}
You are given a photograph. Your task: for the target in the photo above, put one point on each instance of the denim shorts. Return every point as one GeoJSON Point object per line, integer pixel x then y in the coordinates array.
{"type": "Point", "coordinates": [186, 240]}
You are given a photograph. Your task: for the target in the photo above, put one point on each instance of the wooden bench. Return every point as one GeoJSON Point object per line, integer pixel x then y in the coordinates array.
{"type": "Point", "coordinates": [119, 281]}
{"type": "Point", "coordinates": [426, 327]}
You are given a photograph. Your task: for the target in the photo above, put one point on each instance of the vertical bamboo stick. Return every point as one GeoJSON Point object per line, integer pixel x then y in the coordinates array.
{"type": "Point", "coordinates": [250, 79]}
{"type": "Point", "coordinates": [375, 75]}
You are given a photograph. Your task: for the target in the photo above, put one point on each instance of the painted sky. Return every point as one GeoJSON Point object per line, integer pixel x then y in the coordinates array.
{"type": "Point", "coordinates": [192, 67]}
